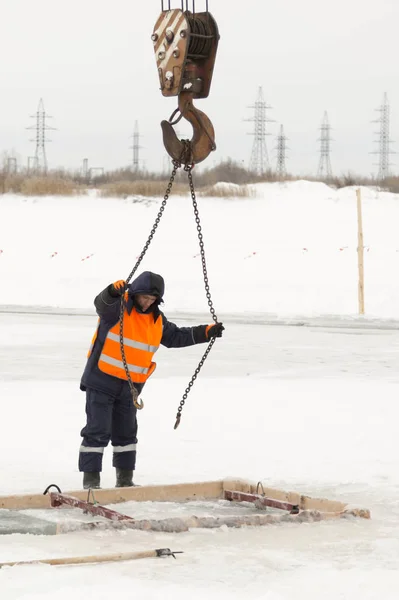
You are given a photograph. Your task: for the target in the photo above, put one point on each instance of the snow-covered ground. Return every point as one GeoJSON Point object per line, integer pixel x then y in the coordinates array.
{"type": "Point", "coordinates": [311, 408]}
{"type": "Point", "coordinates": [291, 250]}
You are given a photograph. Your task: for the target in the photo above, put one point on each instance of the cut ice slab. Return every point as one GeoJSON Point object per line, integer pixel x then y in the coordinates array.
{"type": "Point", "coordinates": [13, 521]}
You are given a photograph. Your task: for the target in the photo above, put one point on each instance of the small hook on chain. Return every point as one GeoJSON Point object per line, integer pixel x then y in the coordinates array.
{"type": "Point", "coordinates": [178, 418]}
{"type": "Point", "coordinates": [139, 404]}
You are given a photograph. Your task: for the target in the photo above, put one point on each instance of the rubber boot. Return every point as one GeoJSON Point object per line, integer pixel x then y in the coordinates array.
{"type": "Point", "coordinates": [124, 478]}
{"type": "Point", "coordinates": [91, 481]}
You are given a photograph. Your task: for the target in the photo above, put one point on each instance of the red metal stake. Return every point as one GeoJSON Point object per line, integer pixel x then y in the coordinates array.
{"type": "Point", "coordinates": [263, 500]}
{"type": "Point", "coordinates": [57, 499]}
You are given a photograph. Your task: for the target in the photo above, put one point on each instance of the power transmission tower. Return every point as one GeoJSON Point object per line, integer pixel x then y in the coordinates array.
{"type": "Point", "coordinates": [40, 127]}
{"type": "Point", "coordinates": [324, 169]}
{"type": "Point", "coordinates": [259, 161]}
{"type": "Point", "coordinates": [384, 151]}
{"type": "Point", "coordinates": [136, 147]}
{"type": "Point", "coordinates": [281, 148]}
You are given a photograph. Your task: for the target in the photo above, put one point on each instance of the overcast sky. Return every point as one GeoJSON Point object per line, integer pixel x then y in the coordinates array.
{"type": "Point", "coordinates": [92, 62]}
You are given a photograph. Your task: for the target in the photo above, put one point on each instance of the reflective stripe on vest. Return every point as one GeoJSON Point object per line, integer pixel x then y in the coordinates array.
{"type": "Point", "coordinates": [119, 363]}
{"type": "Point", "coordinates": [132, 343]}
{"type": "Point", "coordinates": [141, 339]}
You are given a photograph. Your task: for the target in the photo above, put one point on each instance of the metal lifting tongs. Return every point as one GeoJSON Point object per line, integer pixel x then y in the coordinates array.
{"type": "Point", "coordinates": [185, 44]}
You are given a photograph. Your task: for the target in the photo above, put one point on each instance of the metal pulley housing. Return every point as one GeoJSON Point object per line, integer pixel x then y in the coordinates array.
{"type": "Point", "coordinates": [185, 45]}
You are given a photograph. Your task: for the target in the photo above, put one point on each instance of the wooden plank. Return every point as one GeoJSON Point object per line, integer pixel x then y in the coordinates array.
{"type": "Point", "coordinates": [207, 490]}
{"type": "Point", "coordinates": [161, 493]}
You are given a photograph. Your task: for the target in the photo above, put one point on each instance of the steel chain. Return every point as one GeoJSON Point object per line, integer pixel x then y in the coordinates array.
{"type": "Point", "coordinates": [140, 404]}
{"type": "Point", "coordinates": [188, 168]}
{"type": "Point", "coordinates": [176, 166]}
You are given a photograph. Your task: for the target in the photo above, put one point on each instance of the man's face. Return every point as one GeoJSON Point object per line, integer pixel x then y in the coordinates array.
{"type": "Point", "coordinates": [145, 300]}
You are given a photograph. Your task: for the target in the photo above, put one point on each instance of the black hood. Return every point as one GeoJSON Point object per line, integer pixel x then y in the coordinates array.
{"type": "Point", "coordinates": [148, 283]}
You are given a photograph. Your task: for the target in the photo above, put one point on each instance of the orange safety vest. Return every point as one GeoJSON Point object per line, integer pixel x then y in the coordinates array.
{"type": "Point", "coordinates": [141, 339]}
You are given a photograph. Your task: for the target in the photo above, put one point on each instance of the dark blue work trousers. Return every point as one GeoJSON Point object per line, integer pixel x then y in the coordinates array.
{"type": "Point", "coordinates": [109, 418]}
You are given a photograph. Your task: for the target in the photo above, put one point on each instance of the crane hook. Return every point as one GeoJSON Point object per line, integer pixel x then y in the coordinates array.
{"type": "Point", "coordinates": [203, 141]}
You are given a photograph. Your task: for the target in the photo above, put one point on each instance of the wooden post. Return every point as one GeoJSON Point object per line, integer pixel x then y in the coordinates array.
{"type": "Point", "coordinates": [360, 252]}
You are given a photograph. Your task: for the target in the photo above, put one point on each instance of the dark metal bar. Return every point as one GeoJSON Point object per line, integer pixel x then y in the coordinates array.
{"type": "Point", "coordinates": [263, 500]}
{"type": "Point", "coordinates": [57, 499]}
{"type": "Point", "coordinates": [193, 7]}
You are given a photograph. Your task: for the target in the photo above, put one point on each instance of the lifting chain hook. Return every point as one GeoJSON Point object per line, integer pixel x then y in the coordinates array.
{"type": "Point", "coordinates": [203, 141]}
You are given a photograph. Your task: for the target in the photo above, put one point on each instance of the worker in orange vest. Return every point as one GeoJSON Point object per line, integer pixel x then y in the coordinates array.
{"type": "Point", "coordinates": [111, 414]}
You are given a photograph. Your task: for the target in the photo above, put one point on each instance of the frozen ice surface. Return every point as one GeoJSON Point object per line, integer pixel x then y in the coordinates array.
{"type": "Point", "coordinates": [312, 409]}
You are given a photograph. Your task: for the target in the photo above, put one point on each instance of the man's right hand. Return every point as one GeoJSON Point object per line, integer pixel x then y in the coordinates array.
{"type": "Point", "coordinates": [214, 331]}
{"type": "Point", "coordinates": [118, 288]}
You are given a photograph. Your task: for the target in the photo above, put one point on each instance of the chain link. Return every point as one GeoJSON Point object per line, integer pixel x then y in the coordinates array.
{"type": "Point", "coordinates": [188, 169]}
{"type": "Point", "coordinates": [140, 404]}
{"type": "Point", "coordinates": [190, 385]}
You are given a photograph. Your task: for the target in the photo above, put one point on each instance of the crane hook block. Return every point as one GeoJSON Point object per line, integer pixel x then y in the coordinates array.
{"type": "Point", "coordinates": [185, 46]}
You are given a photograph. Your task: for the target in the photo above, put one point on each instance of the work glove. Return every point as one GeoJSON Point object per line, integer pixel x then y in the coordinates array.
{"type": "Point", "coordinates": [214, 331]}
{"type": "Point", "coordinates": [118, 288]}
